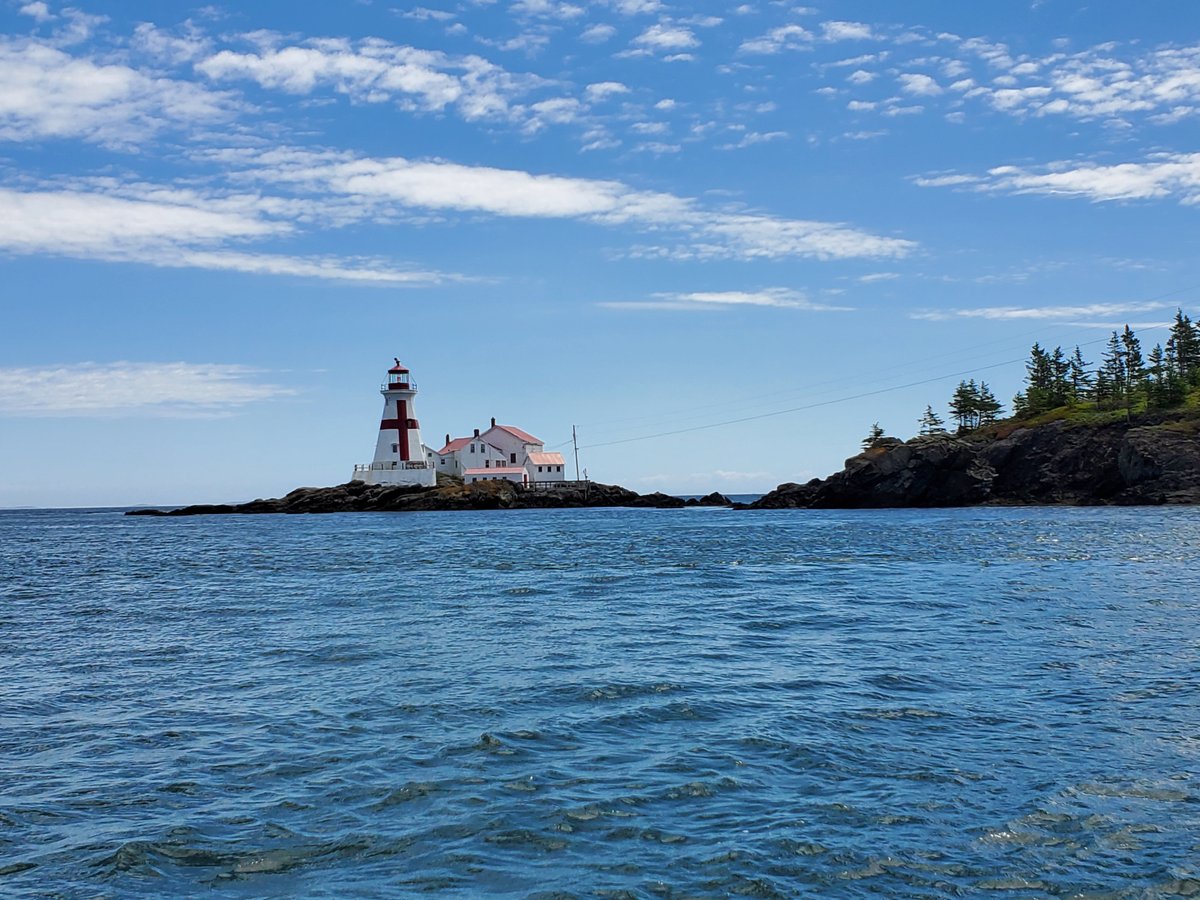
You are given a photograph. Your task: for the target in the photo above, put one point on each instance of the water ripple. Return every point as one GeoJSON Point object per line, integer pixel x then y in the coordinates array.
{"type": "Point", "coordinates": [619, 703]}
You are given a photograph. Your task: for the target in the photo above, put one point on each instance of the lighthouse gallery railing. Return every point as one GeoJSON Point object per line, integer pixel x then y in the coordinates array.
{"type": "Point", "coordinates": [385, 466]}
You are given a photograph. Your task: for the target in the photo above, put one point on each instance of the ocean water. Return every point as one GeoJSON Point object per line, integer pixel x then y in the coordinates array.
{"type": "Point", "coordinates": [579, 703]}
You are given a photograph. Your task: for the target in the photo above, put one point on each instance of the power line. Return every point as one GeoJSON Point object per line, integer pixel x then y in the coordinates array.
{"type": "Point", "coordinates": [682, 413]}
{"type": "Point", "coordinates": [808, 406]}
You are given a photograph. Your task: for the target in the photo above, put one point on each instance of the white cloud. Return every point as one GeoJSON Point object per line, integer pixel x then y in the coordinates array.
{"type": "Point", "coordinates": [1097, 83]}
{"type": "Point", "coordinates": [918, 85]}
{"type": "Point", "coordinates": [750, 138]}
{"type": "Point", "coordinates": [948, 180]}
{"type": "Point", "coordinates": [47, 93]}
{"type": "Point", "coordinates": [1174, 176]}
{"type": "Point", "coordinates": [372, 70]}
{"type": "Point", "coordinates": [658, 148]}
{"type": "Point", "coordinates": [424, 14]}
{"type": "Point", "coordinates": [785, 37]}
{"type": "Point", "coordinates": [846, 31]}
{"type": "Point", "coordinates": [650, 127]}
{"type": "Point", "coordinates": [860, 76]}
{"type": "Point", "coordinates": [1061, 313]}
{"type": "Point", "coordinates": [172, 390]}
{"type": "Point", "coordinates": [169, 229]}
{"type": "Point", "coordinates": [637, 7]}
{"type": "Point", "coordinates": [603, 89]}
{"type": "Point", "coordinates": [38, 11]}
{"type": "Point", "coordinates": [172, 48]}
{"type": "Point", "coordinates": [597, 34]}
{"type": "Point", "coordinates": [546, 9]}
{"type": "Point", "coordinates": [779, 298]}
{"type": "Point", "coordinates": [665, 37]}
{"type": "Point", "coordinates": [384, 186]}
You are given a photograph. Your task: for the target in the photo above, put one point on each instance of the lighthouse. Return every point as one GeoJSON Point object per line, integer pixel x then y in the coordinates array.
{"type": "Point", "coordinates": [400, 457]}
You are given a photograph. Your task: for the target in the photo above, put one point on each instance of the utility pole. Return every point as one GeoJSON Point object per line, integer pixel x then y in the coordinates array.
{"type": "Point", "coordinates": [575, 442]}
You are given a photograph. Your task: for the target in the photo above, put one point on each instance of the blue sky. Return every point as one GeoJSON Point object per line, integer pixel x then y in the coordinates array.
{"type": "Point", "coordinates": [218, 224]}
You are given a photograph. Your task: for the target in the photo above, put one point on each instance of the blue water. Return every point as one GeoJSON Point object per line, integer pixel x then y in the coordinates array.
{"type": "Point", "coordinates": [577, 703]}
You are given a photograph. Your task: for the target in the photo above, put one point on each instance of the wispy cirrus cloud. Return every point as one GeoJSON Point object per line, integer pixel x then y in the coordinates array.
{"type": "Point", "coordinates": [118, 389]}
{"type": "Point", "coordinates": [694, 301]}
{"type": "Point", "coordinates": [172, 229]}
{"type": "Point", "coordinates": [1174, 176]}
{"type": "Point", "coordinates": [386, 186]}
{"type": "Point", "coordinates": [1056, 313]}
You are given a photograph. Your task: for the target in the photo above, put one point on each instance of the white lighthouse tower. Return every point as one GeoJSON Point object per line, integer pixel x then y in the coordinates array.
{"type": "Point", "coordinates": [400, 457]}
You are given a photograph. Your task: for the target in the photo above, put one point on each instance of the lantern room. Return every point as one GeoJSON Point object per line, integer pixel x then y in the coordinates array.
{"type": "Point", "coordinates": [397, 378]}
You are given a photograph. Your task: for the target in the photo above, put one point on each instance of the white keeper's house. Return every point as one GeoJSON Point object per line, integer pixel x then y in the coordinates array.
{"type": "Point", "coordinates": [503, 452]}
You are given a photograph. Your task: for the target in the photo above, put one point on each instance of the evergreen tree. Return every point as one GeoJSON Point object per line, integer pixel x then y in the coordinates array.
{"type": "Point", "coordinates": [1080, 378]}
{"type": "Point", "coordinates": [931, 422]}
{"type": "Point", "coordinates": [1135, 366]}
{"type": "Point", "coordinates": [1164, 387]}
{"type": "Point", "coordinates": [1047, 382]}
{"type": "Point", "coordinates": [988, 407]}
{"type": "Point", "coordinates": [964, 405]}
{"type": "Point", "coordinates": [1184, 346]}
{"type": "Point", "coordinates": [1021, 405]}
{"type": "Point", "coordinates": [873, 437]}
{"type": "Point", "coordinates": [1115, 375]}
{"type": "Point", "coordinates": [1060, 369]}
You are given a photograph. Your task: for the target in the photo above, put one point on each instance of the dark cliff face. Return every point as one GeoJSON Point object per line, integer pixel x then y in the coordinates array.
{"type": "Point", "coordinates": [1144, 462]}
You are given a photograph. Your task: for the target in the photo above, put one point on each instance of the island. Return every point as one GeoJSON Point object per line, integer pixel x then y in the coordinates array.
{"type": "Point", "coordinates": [449, 494]}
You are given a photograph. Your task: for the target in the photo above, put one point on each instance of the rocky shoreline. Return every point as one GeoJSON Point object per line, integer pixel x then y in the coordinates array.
{"type": "Point", "coordinates": [355, 496]}
{"type": "Point", "coordinates": [1150, 461]}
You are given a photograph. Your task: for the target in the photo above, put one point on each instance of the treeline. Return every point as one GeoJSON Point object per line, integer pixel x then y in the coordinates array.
{"type": "Point", "coordinates": [1125, 378]}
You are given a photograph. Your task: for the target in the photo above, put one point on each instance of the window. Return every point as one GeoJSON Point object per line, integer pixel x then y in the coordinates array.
{"type": "Point", "coordinates": [559, 468]}
{"type": "Point", "coordinates": [487, 463]}
{"type": "Point", "coordinates": [395, 447]}
{"type": "Point", "coordinates": [539, 468]}
{"type": "Point", "coordinates": [512, 457]}
{"type": "Point", "coordinates": [472, 448]}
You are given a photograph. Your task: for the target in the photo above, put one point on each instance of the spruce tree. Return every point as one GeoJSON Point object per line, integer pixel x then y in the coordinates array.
{"type": "Point", "coordinates": [1060, 370]}
{"type": "Point", "coordinates": [1135, 368]}
{"type": "Point", "coordinates": [1184, 345]}
{"type": "Point", "coordinates": [1115, 376]}
{"type": "Point", "coordinates": [987, 406]}
{"type": "Point", "coordinates": [964, 405]}
{"type": "Point", "coordinates": [873, 437]}
{"type": "Point", "coordinates": [931, 422]}
{"type": "Point", "coordinates": [1080, 378]}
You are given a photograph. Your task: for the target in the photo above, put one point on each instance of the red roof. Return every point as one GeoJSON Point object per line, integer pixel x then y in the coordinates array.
{"type": "Point", "coordinates": [498, 470]}
{"type": "Point", "coordinates": [456, 444]}
{"type": "Point", "coordinates": [546, 459]}
{"type": "Point", "coordinates": [519, 434]}
{"type": "Point", "coordinates": [398, 369]}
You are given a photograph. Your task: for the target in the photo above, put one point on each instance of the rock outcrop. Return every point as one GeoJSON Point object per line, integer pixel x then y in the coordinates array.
{"type": "Point", "coordinates": [356, 496]}
{"type": "Point", "coordinates": [713, 499]}
{"type": "Point", "coordinates": [1147, 461]}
